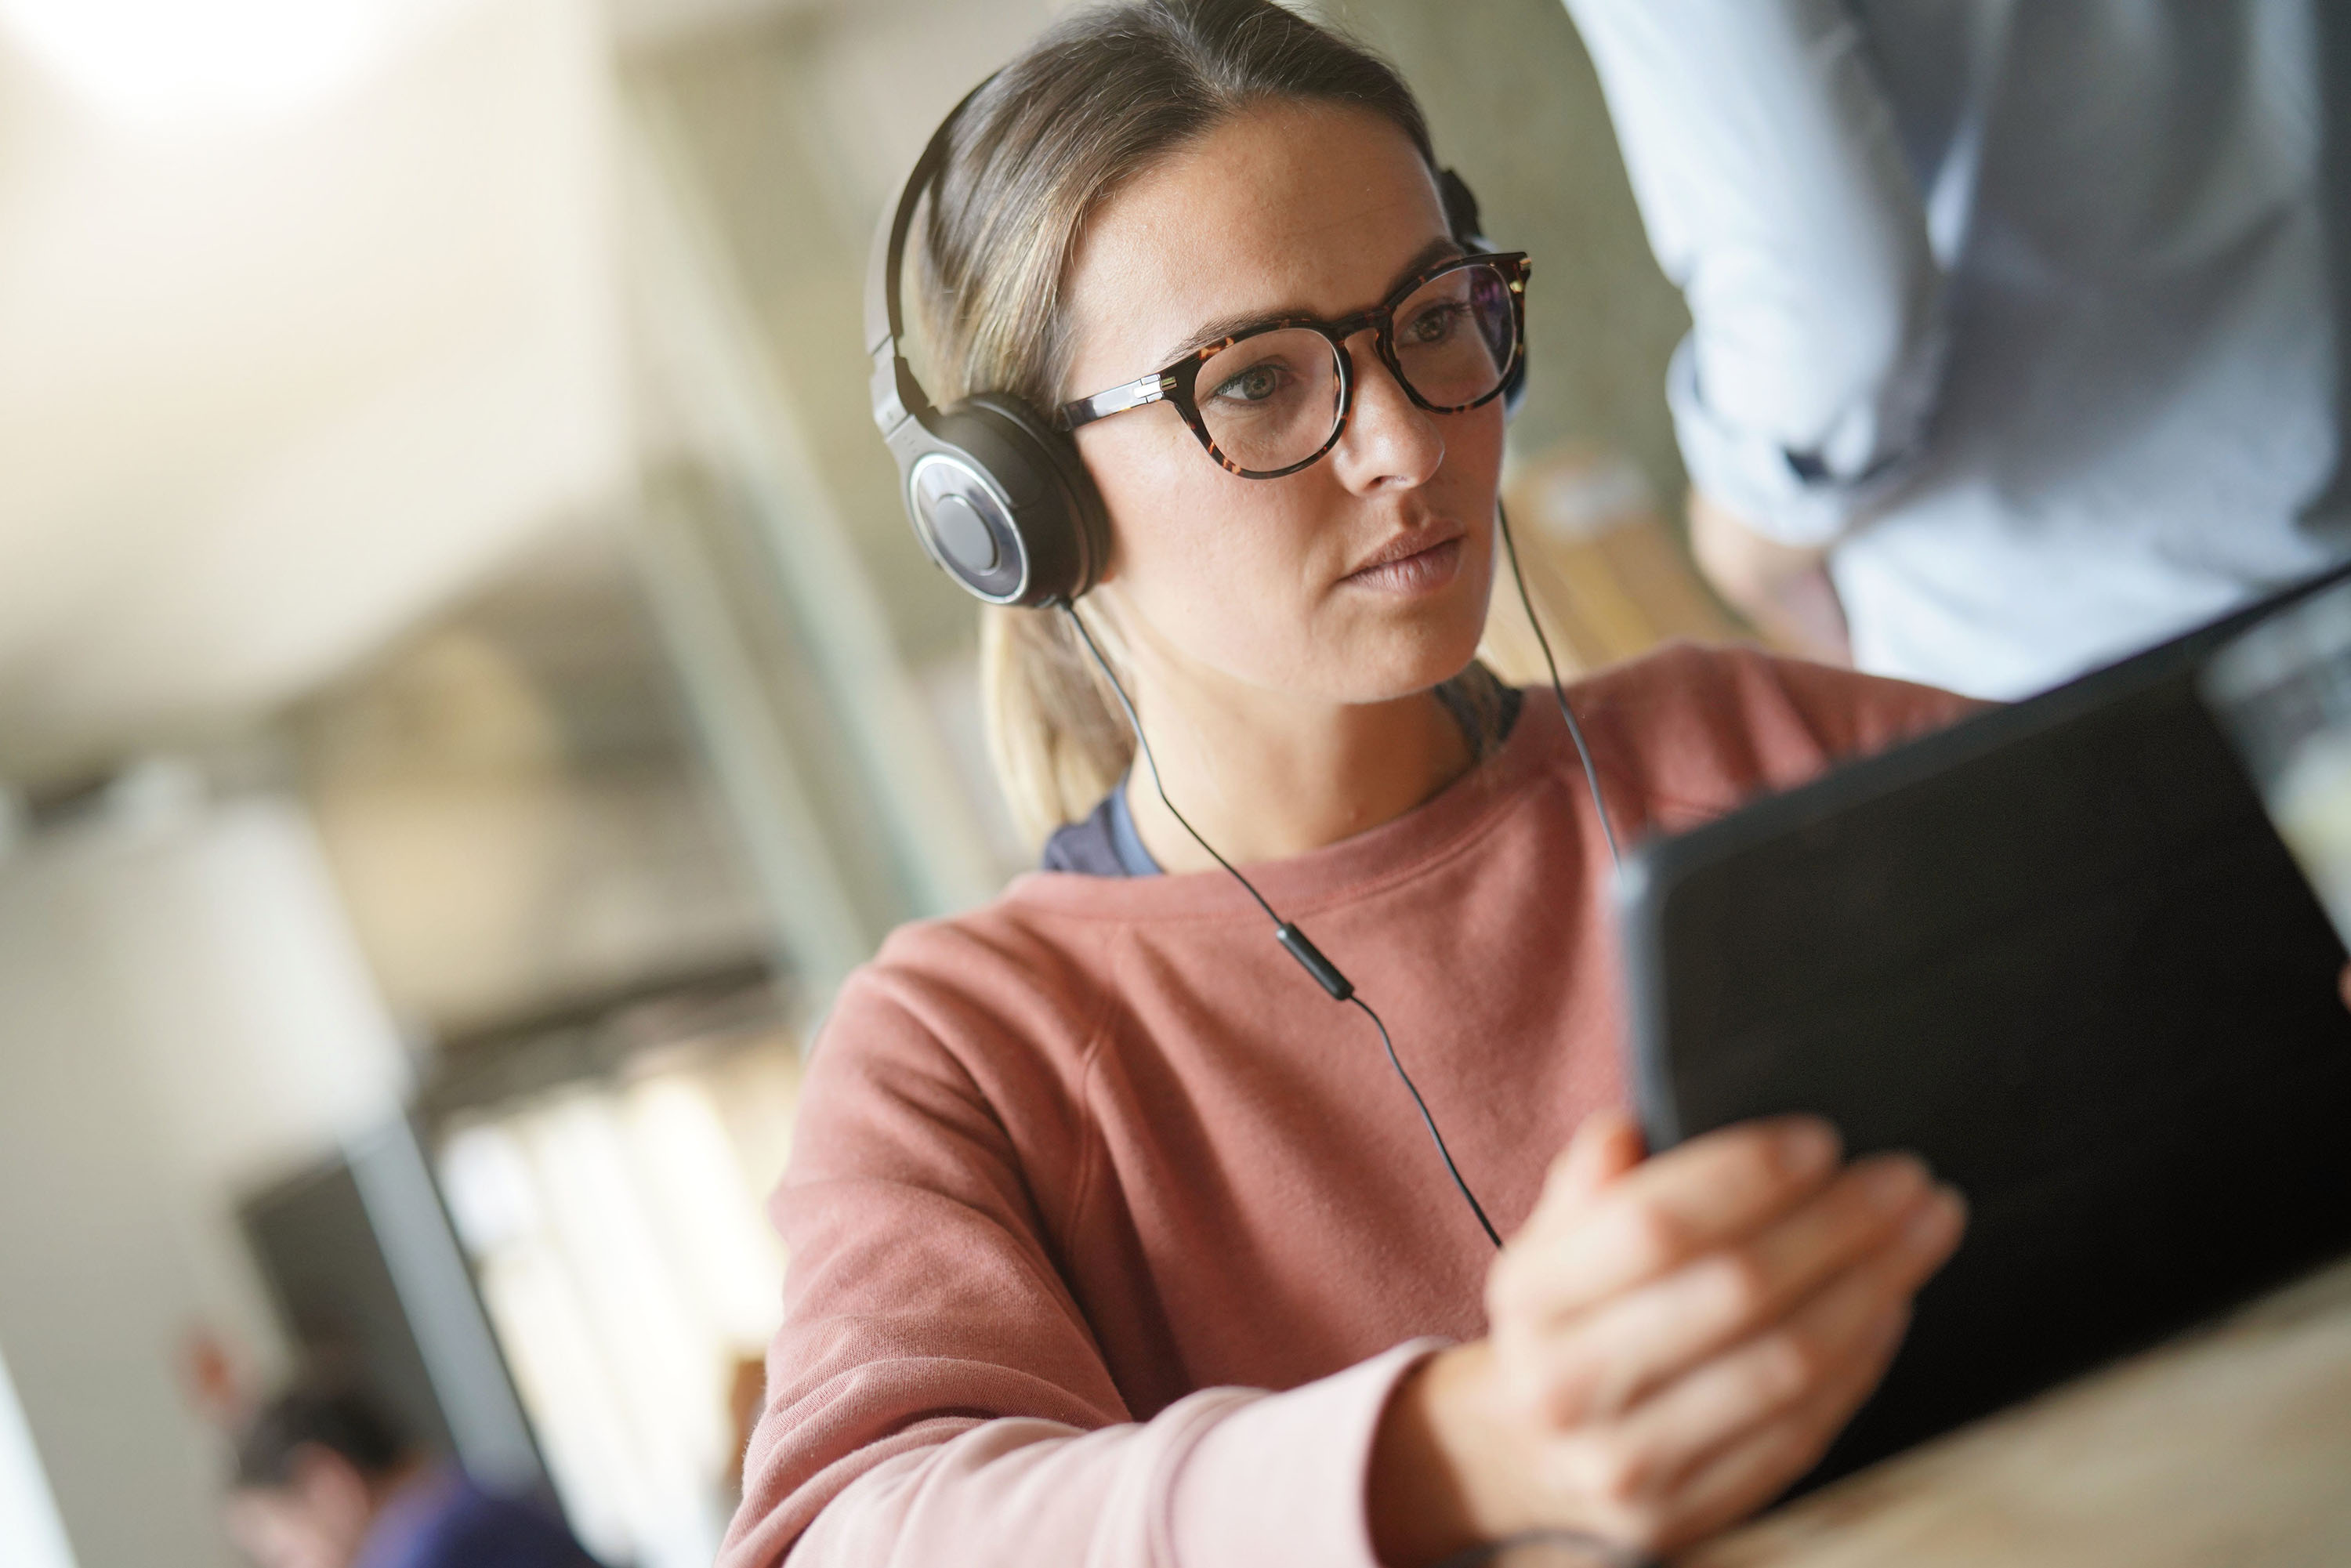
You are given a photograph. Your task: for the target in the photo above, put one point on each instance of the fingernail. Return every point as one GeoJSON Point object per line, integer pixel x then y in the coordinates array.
{"type": "Point", "coordinates": [1937, 1224]}
{"type": "Point", "coordinates": [1893, 1182]}
{"type": "Point", "coordinates": [1808, 1147]}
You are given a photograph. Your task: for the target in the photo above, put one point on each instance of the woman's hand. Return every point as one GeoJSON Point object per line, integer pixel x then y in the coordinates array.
{"type": "Point", "coordinates": [1671, 1342]}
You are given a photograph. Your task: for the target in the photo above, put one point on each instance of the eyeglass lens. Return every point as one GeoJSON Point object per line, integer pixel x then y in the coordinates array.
{"type": "Point", "coordinates": [1271, 401]}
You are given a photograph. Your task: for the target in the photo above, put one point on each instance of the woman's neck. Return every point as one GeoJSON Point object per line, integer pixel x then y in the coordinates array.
{"type": "Point", "coordinates": [1264, 776]}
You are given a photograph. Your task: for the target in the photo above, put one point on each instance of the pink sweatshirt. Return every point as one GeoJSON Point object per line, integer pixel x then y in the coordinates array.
{"type": "Point", "coordinates": [1111, 1233]}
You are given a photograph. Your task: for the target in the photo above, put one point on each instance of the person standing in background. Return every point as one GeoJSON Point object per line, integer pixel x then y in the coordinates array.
{"type": "Point", "coordinates": [2013, 343]}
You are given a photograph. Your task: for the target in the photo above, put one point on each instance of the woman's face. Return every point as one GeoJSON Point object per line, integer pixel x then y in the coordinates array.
{"type": "Point", "coordinates": [1362, 577]}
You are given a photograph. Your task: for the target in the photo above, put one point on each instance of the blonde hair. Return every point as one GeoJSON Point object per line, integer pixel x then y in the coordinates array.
{"type": "Point", "coordinates": [1054, 731]}
{"type": "Point", "coordinates": [1108, 92]}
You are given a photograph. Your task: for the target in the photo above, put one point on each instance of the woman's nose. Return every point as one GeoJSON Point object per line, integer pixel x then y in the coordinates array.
{"type": "Point", "coordinates": [1390, 441]}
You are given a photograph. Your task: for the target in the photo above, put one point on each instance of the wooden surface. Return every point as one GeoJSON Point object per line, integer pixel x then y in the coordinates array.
{"type": "Point", "coordinates": [2229, 1446]}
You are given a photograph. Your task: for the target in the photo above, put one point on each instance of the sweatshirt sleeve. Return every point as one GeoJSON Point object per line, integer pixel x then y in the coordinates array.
{"type": "Point", "coordinates": [1693, 732]}
{"type": "Point", "coordinates": [1230, 1478]}
{"type": "Point", "coordinates": [1773, 184]}
{"type": "Point", "coordinates": [934, 1392]}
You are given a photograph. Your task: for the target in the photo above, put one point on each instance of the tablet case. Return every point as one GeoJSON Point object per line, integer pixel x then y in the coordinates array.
{"type": "Point", "coordinates": [2059, 951]}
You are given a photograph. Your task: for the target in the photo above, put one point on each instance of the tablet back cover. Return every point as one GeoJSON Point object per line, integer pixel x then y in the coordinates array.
{"type": "Point", "coordinates": [2059, 951]}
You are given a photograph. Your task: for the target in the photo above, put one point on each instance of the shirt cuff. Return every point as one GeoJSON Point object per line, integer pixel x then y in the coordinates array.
{"type": "Point", "coordinates": [1280, 1482]}
{"type": "Point", "coordinates": [1750, 475]}
{"type": "Point", "coordinates": [1797, 499]}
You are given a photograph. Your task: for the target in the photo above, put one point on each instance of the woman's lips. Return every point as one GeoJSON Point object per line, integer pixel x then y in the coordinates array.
{"type": "Point", "coordinates": [1425, 571]}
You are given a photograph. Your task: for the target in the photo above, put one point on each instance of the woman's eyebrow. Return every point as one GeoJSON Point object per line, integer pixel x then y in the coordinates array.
{"type": "Point", "coordinates": [1442, 248]}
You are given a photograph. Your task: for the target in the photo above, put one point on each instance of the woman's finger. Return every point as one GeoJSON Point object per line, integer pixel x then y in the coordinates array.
{"type": "Point", "coordinates": [1628, 1483]}
{"type": "Point", "coordinates": [1813, 1346]}
{"type": "Point", "coordinates": [1762, 1415]}
{"type": "Point", "coordinates": [1618, 1352]}
{"type": "Point", "coordinates": [1652, 1219]}
{"type": "Point", "coordinates": [1607, 1144]}
{"type": "Point", "coordinates": [1757, 1466]}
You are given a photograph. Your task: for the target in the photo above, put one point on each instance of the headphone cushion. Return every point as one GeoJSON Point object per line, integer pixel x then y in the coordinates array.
{"type": "Point", "coordinates": [1051, 540]}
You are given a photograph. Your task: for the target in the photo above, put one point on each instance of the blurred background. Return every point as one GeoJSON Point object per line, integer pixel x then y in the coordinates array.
{"type": "Point", "coordinates": [468, 692]}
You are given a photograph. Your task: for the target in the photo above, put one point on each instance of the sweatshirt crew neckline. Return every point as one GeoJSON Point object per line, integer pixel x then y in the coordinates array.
{"type": "Point", "coordinates": [1446, 821]}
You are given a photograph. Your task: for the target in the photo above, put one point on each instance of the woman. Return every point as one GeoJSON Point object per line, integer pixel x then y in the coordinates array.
{"type": "Point", "coordinates": [1113, 1240]}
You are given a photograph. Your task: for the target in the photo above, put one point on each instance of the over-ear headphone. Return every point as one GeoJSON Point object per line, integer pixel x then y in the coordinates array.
{"type": "Point", "coordinates": [995, 490]}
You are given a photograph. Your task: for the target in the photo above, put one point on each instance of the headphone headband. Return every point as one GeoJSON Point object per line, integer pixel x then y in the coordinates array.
{"type": "Point", "coordinates": [884, 320]}
{"type": "Point", "coordinates": [996, 494]}
{"type": "Point", "coordinates": [897, 395]}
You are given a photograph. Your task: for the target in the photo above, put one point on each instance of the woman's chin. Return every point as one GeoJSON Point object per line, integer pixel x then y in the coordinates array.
{"type": "Point", "coordinates": [1439, 635]}
{"type": "Point", "coordinates": [1429, 655]}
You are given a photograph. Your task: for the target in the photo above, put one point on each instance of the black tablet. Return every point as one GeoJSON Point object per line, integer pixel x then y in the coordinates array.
{"type": "Point", "coordinates": [2059, 951]}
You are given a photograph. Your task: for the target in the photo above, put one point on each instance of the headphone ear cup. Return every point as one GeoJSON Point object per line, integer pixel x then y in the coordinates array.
{"type": "Point", "coordinates": [1461, 217]}
{"type": "Point", "coordinates": [1071, 561]}
{"type": "Point", "coordinates": [1002, 504]}
{"type": "Point", "coordinates": [1460, 209]}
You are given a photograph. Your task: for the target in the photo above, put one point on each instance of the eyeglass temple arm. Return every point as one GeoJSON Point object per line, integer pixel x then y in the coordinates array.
{"type": "Point", "coordinates": [1117, 400]}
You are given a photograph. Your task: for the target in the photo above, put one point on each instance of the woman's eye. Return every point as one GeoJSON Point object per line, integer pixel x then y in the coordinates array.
{"type": "Point", "coordinates": [1255, 384]}
{"type": "Point", "coordinates": [1433, 325]}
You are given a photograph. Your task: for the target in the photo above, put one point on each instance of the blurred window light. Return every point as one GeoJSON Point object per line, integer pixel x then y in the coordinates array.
{"type": "Point", "coordinates": [616, 1232]}
{"type": "Point", "coordinates": [31, 1536]}
{"type": "Point", "coordinates": [172, 61]}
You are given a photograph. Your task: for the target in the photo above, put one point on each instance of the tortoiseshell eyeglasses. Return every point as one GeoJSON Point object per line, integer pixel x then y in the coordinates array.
{"type": "Point", "coordinates": [1274, 398]}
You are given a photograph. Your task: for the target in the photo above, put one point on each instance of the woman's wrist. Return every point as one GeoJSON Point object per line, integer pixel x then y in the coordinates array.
{"type": "Point", "coordinates": [1440, 1477]}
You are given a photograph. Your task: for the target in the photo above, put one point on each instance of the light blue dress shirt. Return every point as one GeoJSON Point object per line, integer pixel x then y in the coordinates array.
{"type": "Point", "coordinates": [2022, 304]}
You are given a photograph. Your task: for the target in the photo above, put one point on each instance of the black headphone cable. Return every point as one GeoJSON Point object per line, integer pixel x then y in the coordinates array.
{"type": "Point", "coordinates": [1557, 692]}
{"type": "Point", "coordinates": [1310, 958]}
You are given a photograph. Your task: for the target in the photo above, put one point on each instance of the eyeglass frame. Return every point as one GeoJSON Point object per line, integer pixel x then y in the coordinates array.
{"type": "Point", "coordinates": [1177, 384]}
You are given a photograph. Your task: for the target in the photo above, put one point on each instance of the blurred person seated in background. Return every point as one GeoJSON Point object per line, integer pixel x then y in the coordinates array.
{"type": "Point", "coordinates": [2010, 346]}
{"type": "Point", "coordinates": [326, 1479]}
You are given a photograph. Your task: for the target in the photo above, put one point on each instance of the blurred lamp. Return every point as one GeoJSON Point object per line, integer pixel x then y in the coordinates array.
{"type": "Point", "coordinates": [164, 62]}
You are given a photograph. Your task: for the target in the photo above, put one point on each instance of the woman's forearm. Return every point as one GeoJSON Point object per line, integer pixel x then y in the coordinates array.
{"type": "Point", "coordinates": [1223, 1478]}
